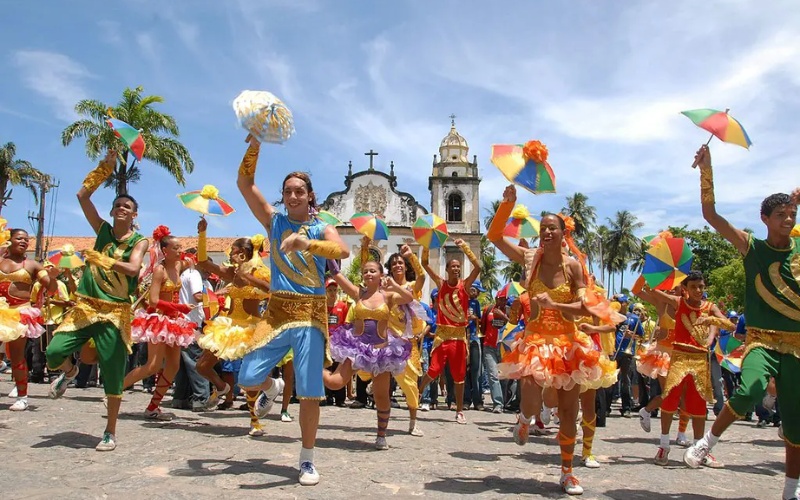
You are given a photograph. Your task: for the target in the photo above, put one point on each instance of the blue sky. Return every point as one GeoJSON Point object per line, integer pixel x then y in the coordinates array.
{"type": "Point", "coordinates": [601, 83]}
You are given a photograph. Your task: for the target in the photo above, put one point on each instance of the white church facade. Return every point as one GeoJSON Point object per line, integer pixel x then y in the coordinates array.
{"type": "Point", "coordinates": [454, 187]}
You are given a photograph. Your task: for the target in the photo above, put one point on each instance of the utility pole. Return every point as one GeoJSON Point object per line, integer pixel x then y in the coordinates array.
{"type": "Point", "coordinates": [44, 185]}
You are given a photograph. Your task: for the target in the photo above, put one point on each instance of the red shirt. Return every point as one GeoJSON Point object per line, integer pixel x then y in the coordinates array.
{"type": "Point", "coordinates": [491, 326]}
{"type": "Point", "coordinates": [337, 314]}
{"type": "Point", "coordinates": [685, 318]}
{"type": "Point", "coordinates": [453, 305]}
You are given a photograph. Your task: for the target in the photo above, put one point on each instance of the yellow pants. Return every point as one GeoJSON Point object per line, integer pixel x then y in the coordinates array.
{"type": "Point", "coordinates": [407, 382]}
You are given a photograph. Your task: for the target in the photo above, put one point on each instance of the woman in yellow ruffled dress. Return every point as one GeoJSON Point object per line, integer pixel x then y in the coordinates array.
{"type": "Point", "coordinates": [230, 337]}
{"type": "Point", "coordinates": [19, 321]}
{"type": "Point", "coordinates": [552, 352]}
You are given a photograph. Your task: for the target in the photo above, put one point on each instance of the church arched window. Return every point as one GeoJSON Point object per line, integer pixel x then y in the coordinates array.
{"type": "Point", "coordinates": [455, 174]}
{"type": "Point", "coordinates": [455, 208]}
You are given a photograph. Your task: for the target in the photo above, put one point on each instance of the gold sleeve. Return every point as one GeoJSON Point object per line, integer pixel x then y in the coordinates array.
{"type": "Point", "coordinates": [327, 249]}
{"type": "Point", "coordinates": [471, 256]}
{"type": "Point", "coordinates": [41, 274]}
{"type": "Point", "coordinates": [248, 166]}
{"type": "Point", "coordinates": [364, 252]}
{"type": "Point", "coordinates": [416, 266]}
{"type": "Point", "coordinates": [99, 174]}
{"type": "Point", "coordinates": [99, 260]}
{"type": "Point", "coordinates": [202, 247]}
{"type": "Point", "coordinates": [707, 186]}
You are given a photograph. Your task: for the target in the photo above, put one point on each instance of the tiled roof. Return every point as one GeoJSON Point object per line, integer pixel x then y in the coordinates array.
{"type": "Point", "coordinates": [215, 245]}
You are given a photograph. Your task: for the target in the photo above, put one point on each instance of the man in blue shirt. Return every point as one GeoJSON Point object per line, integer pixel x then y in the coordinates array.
{"type": "Point", "coordinates": [473, 392]}
{"type": "Point", "coordinates": [430, 393]}
{"type": "Point", "coordinates": [627, 331]}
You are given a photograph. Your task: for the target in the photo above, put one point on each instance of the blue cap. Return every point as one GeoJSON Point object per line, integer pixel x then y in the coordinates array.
{"type": "Point", "coordinates": [477, 286]}
{"type": "Point", "coordinates": [434, 293]}
{"type": "Point", "coordinates": [623, 298]}
{"type": "Point", "coordinates": [732, 314]}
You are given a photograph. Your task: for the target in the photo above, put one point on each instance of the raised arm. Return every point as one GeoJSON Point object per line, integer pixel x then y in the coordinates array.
{"type": "Point", "coordinates": [400, 294]}
{"type": "Point", "coordinates": [411, 257]}
{"type": "Point", "coordinates": [260, 207]}
{"type": "Point", "coordinates": [226, 273]}
{"type": "Point", "coordinates": [495, 234]}
{"type": "Point", "coordinates": [426, 265]}
{"type": "Point", "coordinates": [90, 184]}
{"type": "Point", "coordinates": [737, 237]}
{"type": "Point", "coordinates": [476, 263]}
{"type": "Point", "coordinates": [345, 284]}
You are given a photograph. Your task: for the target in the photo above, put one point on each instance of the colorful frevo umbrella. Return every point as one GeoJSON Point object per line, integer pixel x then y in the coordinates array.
{"type": "Point", "coordinates": [729, 353]}
{"type": "Point", "coordinates": [721, 125]}
{"type": "Point", "coordinates": [521, 225]}
{"type": "Point", "coordinates": [206, 201]}
{"type": "Point", "coordinates": [430, 231]}
{"type": "Point", "coordinates": [512, 289]}
{"type": "Point", "coordinates": [263, 115]}
{"type": "Point", "coordinates": [370, 226]}
{"type": "Point", "coordinates": [131, 136]}
{"type": "Point", "coordinates": [66, 258]}
{"type": "Point", "coordinates": [210, 303]}
{"type": "Point", "coordinates": [328, 217]}
{"type": "Point", "coordinates": [525, 165]}
{"type": "Point", "coordinates": [654, 239]}
{"type": "Point", "coordinates": [506, 337]}
{"type": "Point", "coordinates": [667, 264]}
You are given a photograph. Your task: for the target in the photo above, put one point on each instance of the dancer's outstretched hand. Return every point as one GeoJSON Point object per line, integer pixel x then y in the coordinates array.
{"type": "Point", "coordinates": [703, 157]}
{"type": "Point", "coordinates": [202, 225]}
{"type": "Point", "coordinates": [295, 243]}
{"type": "Point", "coordinates": [510, 194]}
{"type": "Point", "coordinates": [796, 196]}
{"type": "Point", "coordinates": [405, 251]}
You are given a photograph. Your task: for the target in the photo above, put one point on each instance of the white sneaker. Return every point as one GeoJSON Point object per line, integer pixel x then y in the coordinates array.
{"type": "Point", "coordinates": [381, 444]}
{"type": "Point", "coordinates": [521, 432]}
{"type": "Point", "coordinates": [308, 474]}
{"type": "Point", "coordinates": [696, 454]}
{"type": "Point", "coordinates": [21, 404]}
{"type": "Point", "coordinates": [415, 431]}
{"type": "Point", "coordinates": [545, 415]}
{"type": "Point", "coordinates": [590, 462]}
{"type": "Point", "coordinates": [59, 386]}
{"type": "Point", "coordinates": [256, 431]}
{"type": "Point", "coordinates": [662, 456]}
{"type": "Point", "coordinates": [13, 393]}
{"type": "Point", "coordinates": [157, 414]}
{"type": "Point", "coordinates": [644, 419]}
{"type": "Point", "coordinates": [425, 407]}
{"type": "Point", "coordinates": [570, 484]}
{"type": "Point", "coordinates": [682, 441]}
{"type": "Point", "coordinates": [285, 417]}
{"type": "Point", "coordinates": [266, 399]}
{"type": "Point", "coordinates": [108, 443]}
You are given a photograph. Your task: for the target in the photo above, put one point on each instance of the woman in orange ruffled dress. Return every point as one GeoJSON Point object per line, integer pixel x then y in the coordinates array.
{"type": "Point", "coordinates": [551, 352]}
{"type": "Point", "coordinates": [163, 324]}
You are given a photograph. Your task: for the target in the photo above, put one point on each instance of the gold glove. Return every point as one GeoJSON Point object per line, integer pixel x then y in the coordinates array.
{"type": "Point", "coordinates": [471, 256]}
{"type": "Point", "coordinates": [99, 259]}
{"type": "Point", "coordinates": [498, 224]}
{"type": "Point", "coordinates": [706, 186]}
{"type": "Point", "coordinates": [327, 249]}
{"type": "Point", "coordinates": [202, 248]}
{"type": "Point", "coordinates": [364, 251]}
{"type": "Point", "coordinates": [416, 266]}
{"type": "Point", "coordinates": [248, 166]}
{"type": "Point", "coordinates": [100, 173]}
{"type": "Point", "coordinates": [426, 256]}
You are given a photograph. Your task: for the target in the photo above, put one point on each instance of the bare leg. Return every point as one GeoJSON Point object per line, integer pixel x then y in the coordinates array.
{"type": "Point", "coordinates": [568, 410]}
{"type": "Point", "coordinates": [530, 403]}
{"type": "Point", "coordinates": [205, 367]}
{"type": "Point", "coordinates": [309, 421]}
{"type": "Point", "coordinates": [155, 358]}
{"type": "Point", "coordinates": [339, 378]}
{"type": "Point", "coordinates": [288, 379]}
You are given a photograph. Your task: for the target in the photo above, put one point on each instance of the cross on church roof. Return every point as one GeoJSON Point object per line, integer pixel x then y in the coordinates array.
{"type": "Point", "coordinates": [371, 155]}
{"type": "Point", "coordinates": [453, 120]}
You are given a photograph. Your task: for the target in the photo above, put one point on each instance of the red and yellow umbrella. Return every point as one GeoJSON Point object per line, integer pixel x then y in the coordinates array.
{"type": "Point", "coordinates": [721, 125]}
{"type": "Point", "coordinates": [525, 165]}
{"type": "Point", "coordinates": [667, 264]}
{"type": "Point", "coordinates": [66, 258]}
{"type": "Point", "coordinates": [512, 289]}
{"type": "Point", "coordinates": [370, 226]}
{"type": "Point", "coordinates": [521, 225]}
{"type": "Point", "coordinates": [430, 231]}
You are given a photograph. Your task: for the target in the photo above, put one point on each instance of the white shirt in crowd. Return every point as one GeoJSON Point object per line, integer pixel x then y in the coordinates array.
{"type": "Point", "coordinates": [192, 283]}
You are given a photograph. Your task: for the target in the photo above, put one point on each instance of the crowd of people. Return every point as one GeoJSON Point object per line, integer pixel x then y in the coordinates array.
{"type": "Point", "coordinates": [301, 331]}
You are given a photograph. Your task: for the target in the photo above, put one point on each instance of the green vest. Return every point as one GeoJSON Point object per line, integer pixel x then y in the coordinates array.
{"type": "Point", "coordinates": [110, 285]}
{"type": "Point", "coordinates": [772, 286]}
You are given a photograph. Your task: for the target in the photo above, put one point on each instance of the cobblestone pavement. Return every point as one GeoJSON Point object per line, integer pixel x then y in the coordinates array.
{"type": "Point", "coordinates": [48, 452]}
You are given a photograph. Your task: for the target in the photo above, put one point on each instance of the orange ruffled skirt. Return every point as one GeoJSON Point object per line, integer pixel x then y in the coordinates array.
{"type": "Point", "coordinates": [654, 362]}
{"type": "Point", "coordinates": [560, 362]}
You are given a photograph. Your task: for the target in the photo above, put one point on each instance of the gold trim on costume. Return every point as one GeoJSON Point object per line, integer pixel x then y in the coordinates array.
{"type": "Point", "coordinates": [706, 185]}
{"type": "Point", "coordinates": [780, 285]}
{"type": "Point", "coordinates": [775, 340]}
{"type": "Point", "coordinates": [323, 248]}
{"type": "Point", "coordinates": [690, 363]}
{"type": "Point", "coordinates": [452, 309]}
{"type": "Point", "coordinates": [88, 311]}
{"type": "Point", "coordinates": [449, 332]}
{"type": "Point", "coordinates": [250, 160]}
{"type": "Point", "coordinates": [307, 275]}
{"type": "Point", "coordinates": [774, 302]}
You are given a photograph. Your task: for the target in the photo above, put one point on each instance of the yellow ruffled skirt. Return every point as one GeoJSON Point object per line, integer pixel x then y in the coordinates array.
{"type": "Point", "coordinates": [228, 339]}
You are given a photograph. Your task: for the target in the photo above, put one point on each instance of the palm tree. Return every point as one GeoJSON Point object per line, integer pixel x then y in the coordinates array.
{"type": "Point", "coordinates": [582, 213]}
{"type": "Point", "coordinates": [489, 266]}
{"type": "Point", "coordinates": [597, 249]}
{"type": "Point", "coordinates": [511, 271]}
{"type": "Point", "coordinates": [490, 211]}
{"type": "Point", "coordinates": [159, 131]}
{"type": "Point", "coordinates": [16, 172]}
{"type": "Point", "coordinates": [623, 245]}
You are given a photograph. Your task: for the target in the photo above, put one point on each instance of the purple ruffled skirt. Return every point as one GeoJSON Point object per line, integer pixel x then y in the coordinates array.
{"type": "Point", "coordinates": [364, 356]}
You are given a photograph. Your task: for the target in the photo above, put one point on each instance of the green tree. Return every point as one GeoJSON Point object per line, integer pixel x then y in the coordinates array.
{"type": "Point", "coordinates": [16, 172]}
{"type": "Point", "coordinates": [582, 213]}
{"type": "Point", "coordinates": [159, 131]}
{"type": "Point", "coordinates": [711, 251]}
{"type": "Point", "coordinates": [622, 246]}
{"type": "Point", "coordinates": [727, 285]}
{"type": "Point", "coordinates": [489, 266]}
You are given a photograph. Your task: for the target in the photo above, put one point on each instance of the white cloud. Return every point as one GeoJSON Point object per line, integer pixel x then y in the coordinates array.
{"type": "Point", "coordinates": [56, 77]}
{"type": "Point", "coordinates": [149, 47]}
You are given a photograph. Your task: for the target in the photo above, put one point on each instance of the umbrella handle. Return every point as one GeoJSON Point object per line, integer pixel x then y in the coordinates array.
{"type": "Point", "coordinates": [694, 165]}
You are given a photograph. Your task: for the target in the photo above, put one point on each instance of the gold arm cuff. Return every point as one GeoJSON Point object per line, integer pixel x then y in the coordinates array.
{"type": "Point", "coordinates": [471, 256]}
{"type": "Point", "coordinates": [250, 160]}
{"type": "Point", "coordinates": [202, 247]}
{"type": "Point", "coordinates": [327, 249]}
{"type": "Point", "coordinates": [721, 323]}
{"type": "Point", "coordinates": [99, 175]}
{"type": "Point", "coordinates": [426, 256]}
{"type": "Point", "coordinates": [41, 274]}
{"type": "Point", "coordinates": [707, 185]}
{"type": "Point", "coordinates": [364, 253]}
{"type": "Point", "coordinates": [416, 266]}
{"type": "Point", "coordinates": [99, 260]}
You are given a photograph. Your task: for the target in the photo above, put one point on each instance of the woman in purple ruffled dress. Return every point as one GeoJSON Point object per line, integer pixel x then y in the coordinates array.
{"type": "Point", "coordinates": [368, 344]}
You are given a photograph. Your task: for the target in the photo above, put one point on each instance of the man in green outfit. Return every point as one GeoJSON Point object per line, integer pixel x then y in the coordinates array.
{"type": "Point", "coordinates": [772, 302]}
{"type": "Point", "coordinates": [103, 299]}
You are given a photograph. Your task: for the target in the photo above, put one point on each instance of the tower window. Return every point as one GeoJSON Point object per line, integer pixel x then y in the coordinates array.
{"type": "Point", "coordinates": [455, 208]}
{"type": "Point", "coordinates": [455, 174]}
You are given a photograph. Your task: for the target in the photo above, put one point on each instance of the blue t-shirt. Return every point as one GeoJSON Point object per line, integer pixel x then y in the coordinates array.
{"type": "Point", "coordinates": [741, 326]}
{"type": "Point", "coordinates": [299, 272]}
{"type": "Point", "coordinates": [472, 327]}
{"type": "Point", "coordinates": [634, 325]}
{"type": "Point", "coordinates": [427, 342]}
